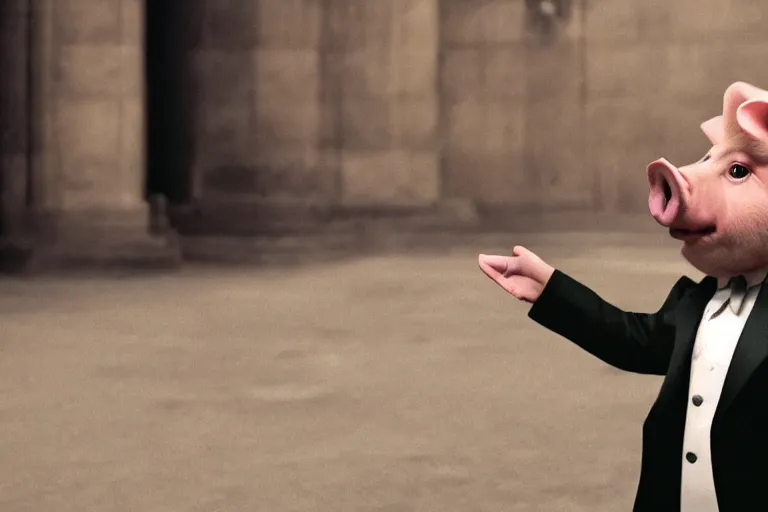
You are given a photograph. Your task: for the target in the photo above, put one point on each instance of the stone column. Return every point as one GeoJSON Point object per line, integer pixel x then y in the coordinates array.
{"type": "Point", "coordinates": [14, 128]}
{"type": "Point", "coordinates": [89, 170]}
{"type": "Point", "coordinates": [381, 64]}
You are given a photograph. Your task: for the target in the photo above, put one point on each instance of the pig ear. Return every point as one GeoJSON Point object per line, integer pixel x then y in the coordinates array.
{"type": "Point", "coordinates": [714, 129]}
{"type": "Point", "coordinates": [744, 108]}
{"type": "Point", "coordinates": [752, 116]}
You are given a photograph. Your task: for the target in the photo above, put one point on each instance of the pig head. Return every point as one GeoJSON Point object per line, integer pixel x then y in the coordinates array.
{"type": "Point", "coordinates": [718, 206]}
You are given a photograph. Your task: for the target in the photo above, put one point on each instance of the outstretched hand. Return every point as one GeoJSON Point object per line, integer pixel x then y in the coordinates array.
{"type": "Point", "coordinates": [523, 275]}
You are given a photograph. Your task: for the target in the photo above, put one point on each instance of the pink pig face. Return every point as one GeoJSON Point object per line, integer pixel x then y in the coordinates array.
{"type": "Point", "coordinates": [718, 206]}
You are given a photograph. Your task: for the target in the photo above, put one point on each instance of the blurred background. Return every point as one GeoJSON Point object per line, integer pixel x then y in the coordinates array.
{"type": "Point", "coordinates": [193, 148]}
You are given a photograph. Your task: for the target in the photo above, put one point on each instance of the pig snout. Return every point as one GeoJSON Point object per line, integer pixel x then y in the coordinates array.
{"type": "Point", "coordinates": [667, 190]}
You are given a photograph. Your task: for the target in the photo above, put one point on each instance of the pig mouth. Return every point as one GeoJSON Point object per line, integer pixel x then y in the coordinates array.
{"type": "Point", "coordinates": [692, 235]}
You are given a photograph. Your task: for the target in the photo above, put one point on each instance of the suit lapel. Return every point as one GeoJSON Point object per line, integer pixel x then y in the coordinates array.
{"type": "Point", "coordinates": [751, 351]}
{"type": "Point", "coordinates": [688, 316]}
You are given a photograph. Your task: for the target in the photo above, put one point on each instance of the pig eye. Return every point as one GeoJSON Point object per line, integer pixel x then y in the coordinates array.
{"type": "Point", "coordinates": [738, 172]}
{"type": "Point", "coordinates": [706, 157]}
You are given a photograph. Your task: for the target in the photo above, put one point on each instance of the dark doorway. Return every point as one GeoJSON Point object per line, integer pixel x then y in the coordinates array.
{"type": "Point", "coordinates": [170, 99]}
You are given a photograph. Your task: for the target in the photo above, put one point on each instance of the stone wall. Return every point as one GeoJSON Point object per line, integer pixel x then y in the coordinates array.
{"type": "Point", "coordinates": [321, 106]}
{"type": "Point", "coordinates": [328, 101]}
{"type": "Point", "coordinates": [421, 102]}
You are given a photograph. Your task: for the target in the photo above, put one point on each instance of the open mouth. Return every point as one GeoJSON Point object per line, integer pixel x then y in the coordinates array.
{"type": "Point", "coordinates": [689, 234]}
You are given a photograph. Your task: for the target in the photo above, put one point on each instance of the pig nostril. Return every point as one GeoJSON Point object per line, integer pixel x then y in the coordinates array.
{"type": "Point", "coordinates": [667, 192]}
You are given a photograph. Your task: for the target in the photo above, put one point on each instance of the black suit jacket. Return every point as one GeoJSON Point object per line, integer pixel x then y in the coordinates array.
{"type": "Point", "coordinates": [661, 343]}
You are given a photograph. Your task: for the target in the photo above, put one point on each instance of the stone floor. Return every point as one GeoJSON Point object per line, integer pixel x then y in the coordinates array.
{"type": "Point", "coordinates": [385, 383]}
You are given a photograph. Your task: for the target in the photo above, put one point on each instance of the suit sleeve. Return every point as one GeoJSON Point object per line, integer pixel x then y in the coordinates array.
{"type": "Point", "coordinates": [634, 342]}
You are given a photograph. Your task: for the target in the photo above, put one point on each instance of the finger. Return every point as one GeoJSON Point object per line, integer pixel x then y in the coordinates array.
{"type": "Point", "coordinates": [529, 262]}
{"type": "Point", "coordinates": [503, 265]}
{"type": "Point", "coordinates": [489, 270]}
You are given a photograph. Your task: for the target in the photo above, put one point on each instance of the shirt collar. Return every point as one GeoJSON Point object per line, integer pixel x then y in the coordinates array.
{"type": "Point", "coordinates": [753, 278]}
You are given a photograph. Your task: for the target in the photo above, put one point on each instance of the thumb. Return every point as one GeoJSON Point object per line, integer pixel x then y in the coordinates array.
{"type": "Point", "coordinates": [531, 265]}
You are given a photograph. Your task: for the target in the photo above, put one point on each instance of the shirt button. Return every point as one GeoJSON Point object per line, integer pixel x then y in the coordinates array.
{"type": "Point", "coordinates": [691, 457]}
{"type": "Point", "coordinates": [697, 400]}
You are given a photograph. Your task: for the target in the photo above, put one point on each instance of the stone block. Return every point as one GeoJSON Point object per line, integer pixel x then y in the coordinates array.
{"type": "Point", "coordinates": [87, 21]}
{"type": "Point", "coordinates": [286, 171]}
{"type": "Point", "coordinates": [555, 150]}
{"type": "Point", "coordinates": [623, 137]}
{"type": "Point", "coordinates": [417, 24]}
{"type": "Point", "coordinates": [609, 20]}
{"type": "Point", "coordinates": [289, 24]}
{"type": "Point", "coordinates": [351, 24]}
{"type": "Point", "coordinates": [461, 74]}
{"type": "Point", "coordinates": [368, 24]}
{"type": "Point", "coordinates": [488, 179]}
{"type": "Point", "coordinates": [287, 121]}
{"type": "Point", "coordinates": [13, 122]}
{"type": "Point", "coordinates": [505, 71]}
{"type": "Point", "coordinates": [416, 71]}
{"type": "Point", "coordinates": [367, 123]}
{"type": "Point", "coordinates": [703, 69]}
{"type": "Point", "coordinates": [224, 132]}
{"type": "Point", "coordinates": [552, 71]}
{"type": "Point", "coordinates": [622, 69]}
{"type": "Point", "coordinates": [466, 125]}
{"type": "Point", "coordinates": [389, 178]}
{"type": "Point", "coordinates": [132, 154]}
{"type": "Point", "coordinates": [13, 8]}
{"type": "Point", "coordinates": [684, 141]}
{"type": "Point", "coordinates": [87, 185]}
{"type": "Point", "coordinates": [88, 131]}
{"type": "Point", "coordinates": [230, 25]}
{"type": "Point", "coordinates": [223, 76]}
{"type": "Point", "coordinates": [415, 121]}
{"type": "Point", "coordinates": [476, 127]}
{"type": "Point", "coordinates": [331, 75]}
{"type": "Point", "coordinates": [328, 173]}
{"type": "Point", "coordinates": [287, 74]}
{"type": "Point", "coordinates": [13, 176]}
{"type": "Point", "coordinates": [132, 22]}
{"type": "Point", "coordinates": [714, 20]}
{"type": "Point", "coordinates": [97, 70]}
{"type": "Point", "coordinates": [489, 21]}
{"type": "Point", "coordinates": [504, 127]}
{"type": "Point", "coordinates": [329, 129]}
{"type": "Point", "coordinates": [368, 72]}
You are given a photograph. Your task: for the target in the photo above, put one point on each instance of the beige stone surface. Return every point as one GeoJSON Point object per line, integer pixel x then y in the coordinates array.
{"type": "Point", "coordinates": [292, 75]}
{"type": "Point", "coordinates": [366, 123]}
{"type": "Point", "coordinates": [512, 116]}
{"type": "Point", "coordinates": [716, 64]}
{"type": "Point", "coordinates": [96, 70]}
{"type": "Point", "coordinates": [415, 122]}
{"type": "Point", "coordinates": [389, 177]}
{"type": "Point", "coordinates": [551, 71]}
{"type": "Point", "coordinates": [554, 139]}
{"type": "Point", "coordinates": [367, 72]}
{"type": "Point", "coordinates": [499, 21]}
{"type": "Point", "coordinates": [731, 21]}
{"type": "Point", "coordinates": [404, 382]}
{"type": "Point", "coordinates": [638, 22]}
{"type": "Point", "coordinates": [294, 24]}
{"type": "Point", "coordinates": [224, 132]}
{"type": "Point", "coordinates": [223, 76]}
{"type": "Point", "coordinates": [92, 21]}
{"type": "Point", "coordinates": [619, 147]}
{"type": "Point", "coordinates": [88, 130]}
{"type": "Point", "coordinates": [287, 120]}
{"type": "Point", "coordinates": [622, 69]}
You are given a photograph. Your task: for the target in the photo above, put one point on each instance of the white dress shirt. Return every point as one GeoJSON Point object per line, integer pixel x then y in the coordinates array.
{"type": "Point", "coordinates": [716, 341]}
